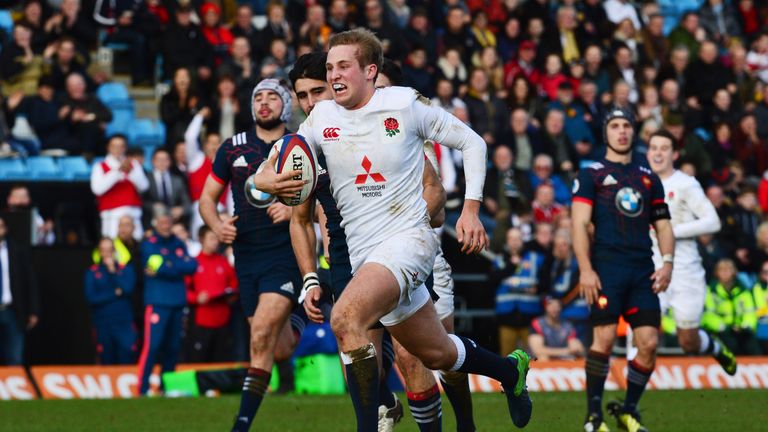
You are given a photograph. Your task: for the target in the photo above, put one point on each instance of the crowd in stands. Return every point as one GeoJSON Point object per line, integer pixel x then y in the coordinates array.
{"type": "Point", "coordinates": [534, 78]}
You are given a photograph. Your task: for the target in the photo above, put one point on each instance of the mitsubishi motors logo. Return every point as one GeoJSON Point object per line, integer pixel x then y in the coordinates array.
{"type": "Point", "coordinates": [331, 133]}
{"type": "Point", "coordinates": [363, 178]}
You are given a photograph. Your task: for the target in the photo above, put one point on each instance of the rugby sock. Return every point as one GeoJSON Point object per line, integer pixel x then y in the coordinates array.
{"type": "Point", "coordinates": [254, 388]}
{"type": "Point", "coordinates": [386, 397]}
{"type": "Point", "coordinates": [597, 371]}
{"type": "Point", "coordinates": [426, 409]}
{"type": "Point", "coordinates": [478, 360]}
{"type": "Point", "coordinates": [637, 379]}
{"type": "Point", "coordinates": [709, 345]}
{"type": "Point", "coordinates": [363, 381]}
{"type": "Point", "coordinates": [456, 386]}
{"type": "Point", "coordinates": [298, 323]}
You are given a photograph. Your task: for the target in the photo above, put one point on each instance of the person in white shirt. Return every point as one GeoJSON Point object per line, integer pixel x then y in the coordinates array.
{"type": "Point", "coordinates": [118, 183]}
{"type": "Point", "coordinates": [692, 215]}
{"type": "Point", "coordinates": [619, 10]}
{"type": "Point", "coordinates": [375, 160]}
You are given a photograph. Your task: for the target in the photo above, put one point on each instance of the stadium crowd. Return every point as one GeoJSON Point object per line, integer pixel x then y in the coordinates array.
{"type": "Point", "coordinates": [534, 78]}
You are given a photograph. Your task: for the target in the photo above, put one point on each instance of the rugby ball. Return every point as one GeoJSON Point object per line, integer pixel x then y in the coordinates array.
{"type": "Point", "coordinates": [295, 154]}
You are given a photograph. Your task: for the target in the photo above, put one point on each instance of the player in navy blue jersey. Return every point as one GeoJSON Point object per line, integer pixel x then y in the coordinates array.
{"type": "Point", "coordinates": [620, 198]}
{"type": "Point", "coordinates": [264, 261]}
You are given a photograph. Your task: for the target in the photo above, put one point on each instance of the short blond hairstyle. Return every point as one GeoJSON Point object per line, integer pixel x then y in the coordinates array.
{"type": "Point", "coordinates": [371, 51]}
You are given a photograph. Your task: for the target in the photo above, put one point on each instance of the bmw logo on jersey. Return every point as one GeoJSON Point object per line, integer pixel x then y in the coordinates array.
{"type": "Point", "coordinates": [629, 201]}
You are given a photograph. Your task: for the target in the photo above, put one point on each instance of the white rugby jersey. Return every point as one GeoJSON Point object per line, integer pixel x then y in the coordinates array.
{"type": "Point", "coordinates": [692, 215]}
{"type": "Point", "coordinates": [375, 160]}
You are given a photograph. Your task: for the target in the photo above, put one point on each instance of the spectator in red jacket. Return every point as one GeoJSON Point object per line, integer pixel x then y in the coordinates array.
{"type": "Point", "coordinates": [218, 36]}
{"type": "Point", "coordinates": [208, 292]}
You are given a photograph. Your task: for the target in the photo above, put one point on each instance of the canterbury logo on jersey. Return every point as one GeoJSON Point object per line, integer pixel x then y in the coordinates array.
{"type": "Point", "coordinates": [239, 139]}
{"type": "Point", "coordinates": [363, 178]}
{"type": "Point", "coordinates": [331, 132]}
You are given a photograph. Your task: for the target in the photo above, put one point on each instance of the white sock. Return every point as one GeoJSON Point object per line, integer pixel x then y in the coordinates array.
{"type": "Point", "coordinates": [705, 341]}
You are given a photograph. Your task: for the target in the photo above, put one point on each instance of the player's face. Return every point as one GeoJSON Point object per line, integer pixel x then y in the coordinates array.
{"type": "Point", "coordinates": [383, 81]}
{"type": "Point", "coordinates": [619, 134]}
{"type": "Point", "coordinates": [311, 91]}
{"type": "Point", "coordinates": [351, 83]}
{"type": "Point", "coordinates": [661, 154]}
{"type": "Point", "coordinates": [268, 106]}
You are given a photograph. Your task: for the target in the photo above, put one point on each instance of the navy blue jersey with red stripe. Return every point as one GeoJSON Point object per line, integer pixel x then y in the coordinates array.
{"type": "Point", "coordinates": [624, 199]}
{"type": "Point", "coordinates": [238, 158]}
{"type": "Point", "coordinates": [337, 238]}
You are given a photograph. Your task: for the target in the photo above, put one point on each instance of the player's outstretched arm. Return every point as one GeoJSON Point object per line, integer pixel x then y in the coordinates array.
{"type": "Point", "coordinates": [666, 238]}
{"type": "Point", "coordinates": [434, 195]}
{"type": "Point", "coordinates": [581, 217]}
{"type": "Point", "coordinates": [225, 229]}
{"type": "Point", "coordinates": [282, 185]}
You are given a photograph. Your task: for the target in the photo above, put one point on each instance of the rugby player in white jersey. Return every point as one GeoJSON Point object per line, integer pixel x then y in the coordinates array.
{"type": "Point", "coordinates": [375, 162]}
{"type": "Point", "coordinates": [692, 215]}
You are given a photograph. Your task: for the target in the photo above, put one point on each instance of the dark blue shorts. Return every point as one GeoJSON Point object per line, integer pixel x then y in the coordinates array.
{"type": "Point", "coordinates": [627, 292]}
{"type": "Point", "coordinates": [341, 274]}
{"type": "Point", "coordinates": [263, 271]}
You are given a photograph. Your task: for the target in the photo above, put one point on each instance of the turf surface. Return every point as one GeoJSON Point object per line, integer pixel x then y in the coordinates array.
{"type": "Point", "coordinates": [713, 410]}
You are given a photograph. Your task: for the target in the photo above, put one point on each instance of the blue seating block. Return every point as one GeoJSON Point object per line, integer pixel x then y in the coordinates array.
{"type": "Point", "coordinates": [74, 168]}
{"type": "Point", "coordinates": [13, 169]}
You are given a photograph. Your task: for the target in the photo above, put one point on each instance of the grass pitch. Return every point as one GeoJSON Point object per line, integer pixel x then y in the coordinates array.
{"type": "Point", "coordinates": [708, 410]}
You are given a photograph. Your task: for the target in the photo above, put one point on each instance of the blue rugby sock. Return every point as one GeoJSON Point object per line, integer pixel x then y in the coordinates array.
{"type": "Point", "coordinates": [478, 360]}
{"type": "Point", "coordinates": [637, 379]}
{"type": "Point", "coordinates": [254, 387]}
{"type": "Point", "coordinates": [596, 366]}
{"type": "Point", "coordinates": [456, 386]}
{"type": "Point", "coordinates": [363, 381]}
{"type": "Point", "coordinates": [427, 410]}
{"type": "Point", "coordinates": [386, 397]}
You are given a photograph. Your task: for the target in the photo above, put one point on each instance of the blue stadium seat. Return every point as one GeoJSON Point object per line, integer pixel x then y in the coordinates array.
{"type": "Point", "coordinates": [6, 22]}
{"type": "Point", "coordinates": [145, 133]}
{"type": "Point", "coordinates": [121, 121]}
{"type": "Point", "coordinates": [43, 168]}
{"type": "Point", "coordinates": [74, 168]}
{"type": "Point", "coordinates": [114, 95]}
{"type": "Point", "coordinates": [13, 169]}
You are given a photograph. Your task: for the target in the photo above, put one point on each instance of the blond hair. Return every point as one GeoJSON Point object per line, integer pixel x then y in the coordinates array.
{"type": "Point", "coordinates": [371, 51]}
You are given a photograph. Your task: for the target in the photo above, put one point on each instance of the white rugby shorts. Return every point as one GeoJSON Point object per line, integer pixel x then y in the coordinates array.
{"type": "Point", "coordinates": [443, 285]}
{"type": "Point", "coordinates": [685, 295]}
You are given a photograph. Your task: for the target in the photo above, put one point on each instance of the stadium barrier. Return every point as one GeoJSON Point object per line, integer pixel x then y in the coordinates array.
{"type": "Point", "coordinates": [108, 382]}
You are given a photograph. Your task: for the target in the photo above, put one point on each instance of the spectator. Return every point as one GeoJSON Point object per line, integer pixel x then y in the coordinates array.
{"type": "Point", "coordinates": [457, 35]}
{"type": "Point", "coordinates": [209, 293]}
{"type": "Point", "coordinates": [487, 113]}
{"type": "Point", "coordinates": [760, 293]}
{"type": "Point", "coordinates": [338, 17]}
{"type": "Point", "coordinates": [451, 68]}
{"type": "Point", "coordinates": [557, 145]}
{"type": "Point", "coordinates": [20, 66]}
{"type": "Point", "coordinates": [729, 311]}
{"type": "Point", "coordinates": [178, 106]}
{"type": "Point", "coordinates": [509, 40]}
{"type": "Point", "coordinates": [184, 46]}
{"type": "Point", "coordinates": [522, 139]}
{"type": "Point", "coordinates": [108, 288]}
{"type": "Point", "coordinates": [517, 280]}
{"type": "Point", "coordinates": [277, 28]}
{"type": "Point", "coordinates": [416, 74]}
{"type": "Point", "coordinates": [243, 28]}
{"type": "Point", "coordinates": [705, 76]}
{"type": "Point", "coordinates": [277, 64]}
{"type": "Point", "coordinates": [488, 60]}
{"type": "Point", "coordinates": [240, 66]}
{"type": "Point", "coordinates": [19, 308]}
{"type": "Point", "coordinates": [720, 147]}
{"type": "Point", "coordinates": [218, 36]}
{"type": "Point", "coordinates": [655, 45]}
{"type": "Point", "coordinates": [229, 111]}
{"type": "Point", "coordinates": [760, 254]}
{"type": "Point", "coordinates": [595, 71]}
{"type": "Point", "coordinates": [649, 108]}
{"type": "Point", "coordinates": [166, 263]}
{"type": "Point", "coordinates": [118, 183]}
{"type": "Point", "coordinates": [743, 77]}
{"type": "Point", "coordinates": [73, 22]}
{"type": "Point", "coordinates": [762, 193]}
{"type": "Point", "coordinates": [125, 244]}
{"type": "Point", "coordinates": [32, 17]}
{"type": "Point", "coordinates": [552, 78]}
{"type": "Point", "coordinates": [180, 231]}
{"type": "Point", "coordinates": [552, 338]}
{"type": "Point", "coordinates": [749, 18]}
{"type": "Point", "coordinates": [42, 113]}
{"type": "Point", "coordinates": [522, 95]}
{"type": "Point", "coordinates": [719, 21]}
{"type": "Point", "coordinates": [545, 209]}
{"type": "Point", "coordinates": [85, 118]}
{"type": "Point", "coordinates": [65, 61]}
{"type": "Point", "coordinates": [129, 22]}
{"type": "Point", "coordinates": [165, 189]}
{"type": "Point", "coordinates": [560, 280]}
{"type": "Point", "coordinates": [688, 33]}
{"type": "Point", "coordinates": [506, 192]}
{"type": "Point", "coordinates": [484, 37]}
{"type": "Point", "coordinates": [391, 35]}
{"type": "Point", "coordinates": [575, 127]}
{"type": "Point", "coordinates": [751, 149]}
{"type": "Point", "coordinates": [418, 33]}
{"type": "Point", "coordinates": [761, 115]}
{"type": "Point", "coordinates": [723, 110]}
{"type": "Point", "coordinates": [543, 173]}
{"type": "Point", "coordinates": [625, 71]}
{"type": "Point", "coordinates": [523, 66]}
{"type": "Point", "coordinates": [566, 39]}
{"type": "Point", "coordinates": [19, 201]}
{"type": "Point", "coordinates": [747, 220]}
